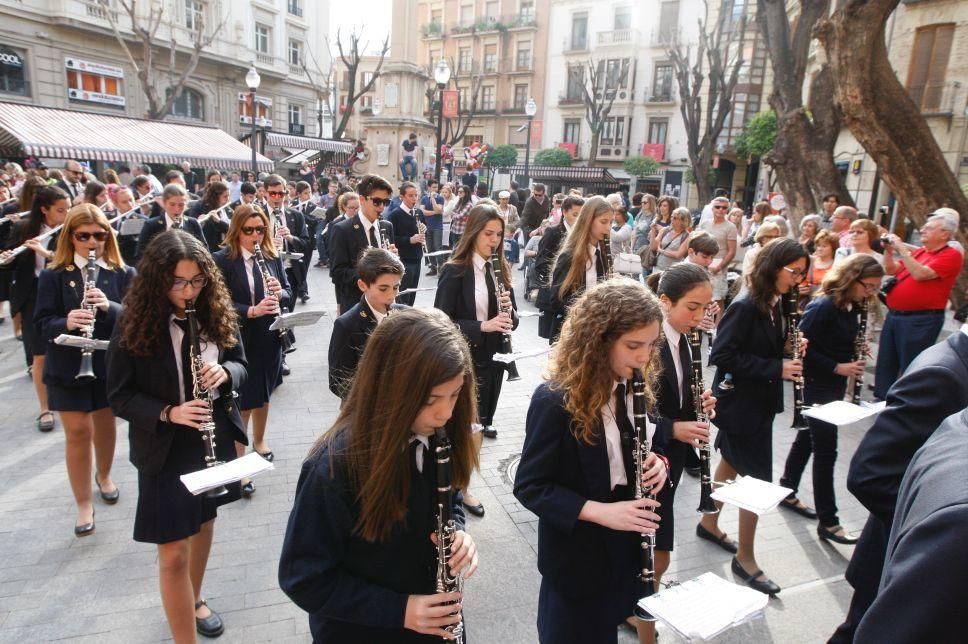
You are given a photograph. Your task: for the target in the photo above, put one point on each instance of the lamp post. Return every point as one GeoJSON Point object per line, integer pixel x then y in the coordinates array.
{"type": "Point", "coordinates": [530, 109]}
{"type": "Point", "coordinates": [442, 76]}
{"type": "Point", "coordinates": [252, 80]}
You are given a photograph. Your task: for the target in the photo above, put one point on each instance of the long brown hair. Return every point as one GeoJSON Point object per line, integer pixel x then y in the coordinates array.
{"type": "Point", "coordinates": [838, 281]}
{"type": "Point", "coordinates": [423, 348]}
{"type": "Point", "coordinates": [81, 215]}
{"type": "Point", "coordinates": [241, 215]}
{"type": "Point", "coordinates": [580, 365]}
{"type": "Point", "coordinates": [144, 322]}
{"type": "Point", "coordinates": [484, 211]}
{"type": "Point", "coordinates": [768, 263]}
{"type": "Point", "coordinates": [575, 248]}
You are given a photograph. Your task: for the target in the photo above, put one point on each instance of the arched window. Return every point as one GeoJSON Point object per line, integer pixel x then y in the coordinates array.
{"type": "Point", "coordinates": [190, 105]}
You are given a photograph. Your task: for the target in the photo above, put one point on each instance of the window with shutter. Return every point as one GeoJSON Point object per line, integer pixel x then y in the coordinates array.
{"type": "Point", "coordinates": [929, 63]}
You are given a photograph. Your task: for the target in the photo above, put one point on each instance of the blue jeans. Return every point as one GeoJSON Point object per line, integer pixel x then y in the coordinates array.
{"type": "Point", "coordinates": [408, 162]}
{"type": "Point", "coordinates": [902, 339]}
{"type": "Point", "coordinates": [435, 238]}
{"type": "Point", "coordinates": [321, 243]}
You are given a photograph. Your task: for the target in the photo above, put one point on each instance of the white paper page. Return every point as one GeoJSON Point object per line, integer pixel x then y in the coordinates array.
{"type": "Point", "coordinates": [841, 412]}
{"type": "Point", "coordinates": [81, 343]}
{"type": "Point", "coordinates": [132, 226]}
{"type": "Point", "coordinates": [511, 357]}
{"type": "Point", "coordinates": [752, 494]}
{"type": "Point", "coordinates": [211, 477]}
{"type": "Point", "coordinates": [290, 320]}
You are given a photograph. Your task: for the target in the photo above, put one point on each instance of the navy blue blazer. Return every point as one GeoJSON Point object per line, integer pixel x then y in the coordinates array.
{"type": "Point", "coordinates": [932, 388]}
{"type": "Point", "coordinates": [455, 297]}
{"type": "Point", "coordinates": [557, 475]}
{"type": "Point", "coordinates": [405, 227]}
{"type": "Point", "coordinates": [668, 410]}
{"type": "Point", "coordinates": [749, 347]}
{"type": "Point", "coordinates": [347, 241]}
{"type": "Point", "coordinates": [23, 287]}
{"type": "Point", "coordinates": [831, 332]}
{"type": "Point", "coordinates": [922, 589]}
{"type": "Point", "coordinates": [237, 282]}
{"type": "Point", "coordinates": [140, 388]}
{"type": "Point", "coordinates": [350, 333]}
{"type": "Point", "coordinates": [58, 293]}
{"type": "Point", "coordinates": [158, 225]}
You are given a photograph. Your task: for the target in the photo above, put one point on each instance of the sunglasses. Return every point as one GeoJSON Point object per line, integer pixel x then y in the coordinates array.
{"type": "Point", "coordinates": [378, 202]}
{"type": "Point", "coordinates": [197, 282]}
{"type": "Point", "coordinates": [720, 207]}
{"type": "Point", "coordinates": [98, 236]}
{"type": "Point", "coordinates": [275, 193]}
{"type": "Point", "coordinates": [253, 230]}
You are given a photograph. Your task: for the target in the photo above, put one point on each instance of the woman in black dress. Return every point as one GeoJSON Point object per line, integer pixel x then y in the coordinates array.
{"type": "Point", "coordinates": [748, 354]}
{"type": "Point", "coordinates": [82, 404]}
{"type": "Point", "coordinates": [48, 211]}
{"type": "Point", "coordinates": [150, 384]}
{"type": "Point", "coordinates": [212, 215]}
{"type": "Point", "coordinates": [256, 309]}
{"type": "Point", "coordinates": [11, 214]}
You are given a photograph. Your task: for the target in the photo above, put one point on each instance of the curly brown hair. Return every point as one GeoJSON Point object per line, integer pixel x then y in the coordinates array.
{"type": "Point", "coordinates": [144, 323]}
{"type": "Point", "coordinates": [580, 364]}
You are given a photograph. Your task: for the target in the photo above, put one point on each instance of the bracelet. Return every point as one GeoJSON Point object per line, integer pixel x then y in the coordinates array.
{"type": "Point", "coordinates": [665, 461]}
{"type": "Point", "coordinates": [165, 414]}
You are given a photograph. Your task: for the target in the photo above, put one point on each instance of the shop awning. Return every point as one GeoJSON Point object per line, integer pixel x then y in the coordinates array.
{"type": "Point", "coordinates": [601, 178]}
{"type": "Point", "coordinates": [294, 142]}
{"type": "Point", "coordinates": [67, 134]}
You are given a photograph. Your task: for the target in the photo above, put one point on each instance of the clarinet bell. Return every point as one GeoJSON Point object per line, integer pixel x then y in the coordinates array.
{"type": "Point", "coordinates": [642, 614]}
{"type": "Point", "coordinates": [512, 370]}
{"type": "Point", "coordinates": [86, 372]}
{"type": "Point", "coordinates": [216, 492]}
{"type": "Point", "coordinates": [287, 344]}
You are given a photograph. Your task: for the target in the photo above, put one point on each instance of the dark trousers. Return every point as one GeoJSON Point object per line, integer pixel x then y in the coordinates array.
{"type": "Point", "coordinates": [902, 339]}
{"type": "Point", "coordinates": [307, 260]}
{"type": "Point", "coordinates": [820, 439]}
{"type": "Point", "coordinates": [435, 240]}
{"type": "Point", "coordinates": [297, 279]}
{"type": "Point", "coordinates": [411, 277]}
{"type": "Point", "coordinates": [864, 575]}
{"type": "Point", "coordinates": [490, 376]}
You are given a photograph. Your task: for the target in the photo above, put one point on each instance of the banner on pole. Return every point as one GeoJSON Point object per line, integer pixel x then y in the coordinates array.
{"type": "Point", "coordinates": [451, 100]}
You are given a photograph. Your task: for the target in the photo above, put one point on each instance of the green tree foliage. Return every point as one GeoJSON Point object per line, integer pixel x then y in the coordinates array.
{"type": "Point", "coordinates": [641, 166]}
{"type": "Point", "coordinates": [691, 177]}
{"type": "Point", "coordinates": [553, 157]}
{"type": "Point", "coordinates": [758, 135]}
{"type": "Point", "coordinates": [502, 156]}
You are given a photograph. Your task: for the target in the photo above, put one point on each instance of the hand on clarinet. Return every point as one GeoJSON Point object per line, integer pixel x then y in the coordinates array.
{"type": "Point", "coordinates": [191, 413]}
{"type": "Point", "coordinates": [709, 403]}
{"type": "Point", "coordinates": [463, 554]}
{"type": "Point", "coordinates": [624, 516]}
{"type": "Point", "coordinates": [792, 369]}
{"type": "Point", "coordinates": [79, 320]}
{"type": "Point", "coordinates": [268, 306]}
{"type": "Point", "coordinates": [653, 473]}
{"type": "Point", "coordinates": [213, 375]}
{"type": "Point", "coordinates": [500, 322]}
{"type": "Point", "coordinates": [691, 432]}
{"type": "Point", "coordinates": [851, 369]}
{"type": "Point", "coordinates": [429, 614]}
{"type": "Point", "coordinates": [97, 298]}
{"type": "Point", "coordinates": [274, 286]}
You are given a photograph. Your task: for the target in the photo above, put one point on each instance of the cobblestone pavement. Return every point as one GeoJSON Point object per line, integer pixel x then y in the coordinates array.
{"type": "Point", "coordinates": [103, 588]}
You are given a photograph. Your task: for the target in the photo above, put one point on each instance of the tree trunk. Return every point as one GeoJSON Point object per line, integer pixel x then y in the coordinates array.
{"type": "Point", "coordinates": [884, 119]}
{"type": "Point", "coordinates": [593, 150]}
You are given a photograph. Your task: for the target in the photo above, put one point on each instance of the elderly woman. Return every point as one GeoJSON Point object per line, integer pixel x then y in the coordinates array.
{"type": "Point", "coordinates": [670, 244]}
{"type": "Point", "coordinates": [809, 227]}
{"type": "Point", "coordinates": [508, 211]}
{"type": "Point", "coordinates": [862, 232]}
{"type": "Point", "coordinates": [825, 245]}
{"type": "Point", "coordinates": [765, 233]}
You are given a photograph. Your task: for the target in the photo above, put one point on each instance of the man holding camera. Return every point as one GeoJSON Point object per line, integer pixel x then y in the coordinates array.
{"type": "Point", "coordinates": [916, 297]}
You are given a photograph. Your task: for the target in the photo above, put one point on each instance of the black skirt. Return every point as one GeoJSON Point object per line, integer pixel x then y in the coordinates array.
{"type": "Point", "coordinates": [263, 351]}
{"type": "Point", "coordinates": [167, 511]}
{"type": "Point", "coordinates": [665, 535]}
{"type": "Point", "coordinates": [750, 453]}
{"type": "Point", "coordinates": [85, 397]}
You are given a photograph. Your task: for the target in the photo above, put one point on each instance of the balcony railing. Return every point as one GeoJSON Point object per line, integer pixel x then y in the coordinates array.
{"type": "Point", "coordinates": [297, 128]}
{"type": "Point", "coordinates": [432, 29]}
{"type": "Point", "coordinates": [265, 59]}
{"type": "Point", "coordinates": [294, 8]}
{"type": "Point", "coordinates": [512, 107]}
{"type": "Point", "coordinates": [99, 9]}
{"type": "Point", "coordinates": [468, 68]}
{"type": "Point", "coordinates": [517, 66]}
{"type": "Point", "coordinates": [660, 94]}
{"type": "Point", "coordinates": [575, 45]}
{"type": "Point", "coordinates": [618, 37]}
{"type": "Point", "coordinates": [664, 37]}
{"type": "Point", "coordinates": [487, 24]}
{"type": "Point", "coordinates": [566, 100]}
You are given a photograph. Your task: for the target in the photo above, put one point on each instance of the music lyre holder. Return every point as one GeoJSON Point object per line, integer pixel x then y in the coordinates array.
{"type": "Point", "coordinates": [80, 342]}
{"type": "Point", "coordinates": [290, 320]}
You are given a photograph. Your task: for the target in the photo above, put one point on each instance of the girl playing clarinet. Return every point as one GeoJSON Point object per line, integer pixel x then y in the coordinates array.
{"type": "Point", "coordinates": [467, 291]}
{"type": "Point", "coordinates": [257, 308]}
{"type": "Point", "coordinates": [576, 468]}
{"type": "Point", "coordinates": [66, 303]}
{"type": "Point", "coordinates": [359, 553]}
{"type": "Point", "coordinates": [150, 384]}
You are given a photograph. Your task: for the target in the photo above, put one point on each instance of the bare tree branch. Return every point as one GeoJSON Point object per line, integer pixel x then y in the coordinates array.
{"type": "Point", "coordinates": [596, 95]}
{"type": "Point", "coordinates": [351, 60]}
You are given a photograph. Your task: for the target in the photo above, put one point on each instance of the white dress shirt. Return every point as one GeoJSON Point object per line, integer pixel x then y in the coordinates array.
{"type": "Point", "coordinates": [367, 224]}
{"type": "Point", "coordinates": [673, 338]}
{"type": "Point", "coordinates": [613, 438]}
{"type": "Point", "coordinates": [249, 260]}
{"type": "Point", "coordinates": [591, 275]}
{"type": "Point", "coordinates": [480, 287]}
{"type": "Point", "coordinates": [209, 354]}
{"type": "Point", "coordinates": [377, 315]}
{"type": "Point", "coordinates": [425, 442]}
{"type": "Point", "coordinates": [169, 222]}
{"type": "Point", "coordinates": [40, 262]}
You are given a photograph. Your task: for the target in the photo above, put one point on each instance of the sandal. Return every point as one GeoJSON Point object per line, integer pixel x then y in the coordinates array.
{"type": "Point", "coordinates": [45, 425]}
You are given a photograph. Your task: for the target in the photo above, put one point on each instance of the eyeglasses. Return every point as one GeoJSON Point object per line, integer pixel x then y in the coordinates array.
{"type": "Point", "coordinates": [869, 288]}
{"type": "Point", "coordinates": [720, 207]}
{"type": "Point", "coordinates": [253, 230]}
{"type": "Point", "coordinates": [378, 202]}
{"type": "Point", "coordinates": [197, 282]}
{"type": "Point", "coordinates": [798, 274]}
{"type": "Point", "coordinates": [98, 236]}
{"type": "Point", "coordinates": [275, 193]}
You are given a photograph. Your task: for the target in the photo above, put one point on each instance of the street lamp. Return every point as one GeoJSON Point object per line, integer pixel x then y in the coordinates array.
{"type": "Point", "coordinates": [252, 80]}
{"type": "Point", "coordinates": [530, 109]}
{"type": "Point", "coordinates": [442, 76]}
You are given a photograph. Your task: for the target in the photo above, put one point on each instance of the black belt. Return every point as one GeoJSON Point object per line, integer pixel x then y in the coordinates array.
{"type": "Point", "coordinates": [921, 312]}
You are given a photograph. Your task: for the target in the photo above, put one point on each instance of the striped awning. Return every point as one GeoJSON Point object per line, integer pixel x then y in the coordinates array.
{"type": "Point", "coordinates": [67, 134]}
{"type": "Point", "coordinates": [294, 142]}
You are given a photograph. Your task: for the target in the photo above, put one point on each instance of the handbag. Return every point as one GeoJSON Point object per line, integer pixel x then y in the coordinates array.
{"type": "Point", "coordinates": [627, 263]}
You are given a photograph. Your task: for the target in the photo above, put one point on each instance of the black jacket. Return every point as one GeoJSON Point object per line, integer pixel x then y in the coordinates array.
{"type": "Point", "coordinates": [547, 251]}
{"type": "Point", "coordinates": [158, 225]}
{"type": "Point", "coordinates": [405, 227]}
{"type": "Point", "coordinates": [350, 333]}
{"type": "Point", "coordinates": [347, 241]}
{"type": "Point", "coordinates": [296, 224]}
{"type": "Point", "coordinates": [23, 287]}
{"type": "Point", "coordinates": [831, 332]}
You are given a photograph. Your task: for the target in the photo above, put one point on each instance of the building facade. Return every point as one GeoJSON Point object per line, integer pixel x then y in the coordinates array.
{"type": "Point", "coordinates": [63, 53]}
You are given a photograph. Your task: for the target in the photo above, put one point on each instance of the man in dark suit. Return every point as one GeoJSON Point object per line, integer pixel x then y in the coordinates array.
{"type": "Point", "coordinates": [313, 216]}
{"type": "Point", "coordinates": [291, 226]}
{"type": "Point", "coordinates": [548, 249]}
{"type": "Point", "coordinates": [407, 220]}
{"type": "Point", "coordinates": [922, 590]}
{"type": "Point", "coordinates": [536, 209]}
{"type": "Point", "coordinates": [350, 237]}
{"type": "Point", "coordinates": [174, 199]}
{"type": "Point", "coordinates": [73, 181]}
{"type": "Point", "coordinates": [380, 275]}
{"type": "Point", "coordinates": [932, 388]}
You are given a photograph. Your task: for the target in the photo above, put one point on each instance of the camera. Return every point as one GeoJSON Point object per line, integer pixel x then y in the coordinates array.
{"type": "Point", "coordinates": [885, 240]}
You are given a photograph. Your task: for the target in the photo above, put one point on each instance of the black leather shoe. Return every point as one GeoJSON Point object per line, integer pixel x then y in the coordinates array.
{"type": "Point", "coordinates": [210, 626]}
{"type": "Point", "coordinates": [489, 431]}
{"type": "Point", "coordinates": [836, 534]}
{"type": "Point", "coordinates": [304, 298]}
{"type": "Point", "coordinates": [269, 456]}
{"type": "Point", "coordinates": [108, 497]}
{"type": "Point", "coordinates": [84, 529]}
{"type": "Point", "coordinates": [723, 542]}
{"type": "Point", "coordinates": [248, 490]}
{"type": "Point", "coordinates": [797, 506]}
{"type": "Point", "coordinates": [285, 368]}
{"type": "Point", "coordinates": [757, 580]}
{"type": "Point", "coordinates": [476, 510]}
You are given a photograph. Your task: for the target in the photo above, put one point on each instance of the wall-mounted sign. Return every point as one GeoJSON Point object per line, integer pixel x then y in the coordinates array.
{"type": "Point", "coordinates": [451, 99]}
{"type": "Point", "coordinates": [383, 154]}
{"type": "Point", "coordinates": [94, 68]}
{"type": "Point", "coordinates": [94, 97]}
{"type": "Point", "coordinates": [10, 58]}
{"type": "Point", "coordinates": [391, 94]}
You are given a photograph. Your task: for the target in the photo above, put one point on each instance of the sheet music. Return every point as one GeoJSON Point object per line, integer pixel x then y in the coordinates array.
{"type": "Point", "coordinates": [511, 357]}
{"type": "Point", "coordinates": [437, 253]}
{"type": "Point", "coordinates": [416, 290]}
{"type": "Point", "coordinates": [81, 342]}
{"type": "Point", "coordinates": [723, 606]}
{"type": "Point", "coordinates": [529, 314]}
{"type": "Point", "coordinates": [132, 226]}
{"type": "Point", "coordinates": [752, 494]}
{"type": "Point", "coordinates": [290, 320]}
{"type": "Point", "coordinates": [841, 412]}
{"type": "Point", "coordinates": [211, 477]}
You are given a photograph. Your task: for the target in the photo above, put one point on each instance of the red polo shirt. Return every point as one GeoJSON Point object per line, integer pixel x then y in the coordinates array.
{"type": "Point", "coordinates": [912, 295]}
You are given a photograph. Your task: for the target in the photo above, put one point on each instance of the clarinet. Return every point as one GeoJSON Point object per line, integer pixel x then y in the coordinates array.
{"type": "Point", "coordinates": [512, 368]}
{"type": "Point", "coordinates": [640, 452]}
{"type": "Point", "coordinates": [860, 350]}
{"type": "Point", "coordinates": [260, 259]}
{"type": "Point", "coordinates": [200, 393]}
{"type": "Point", "coordinates": [445, 581]}
{"type": "Point", "coordinates": [706, 505]}
{"type": "Point", "coordinates": [793, 334]}
{"type": "Point", "coordinates": [86, 372]}
{"type": "Point", "coordinates": [605, 252]}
